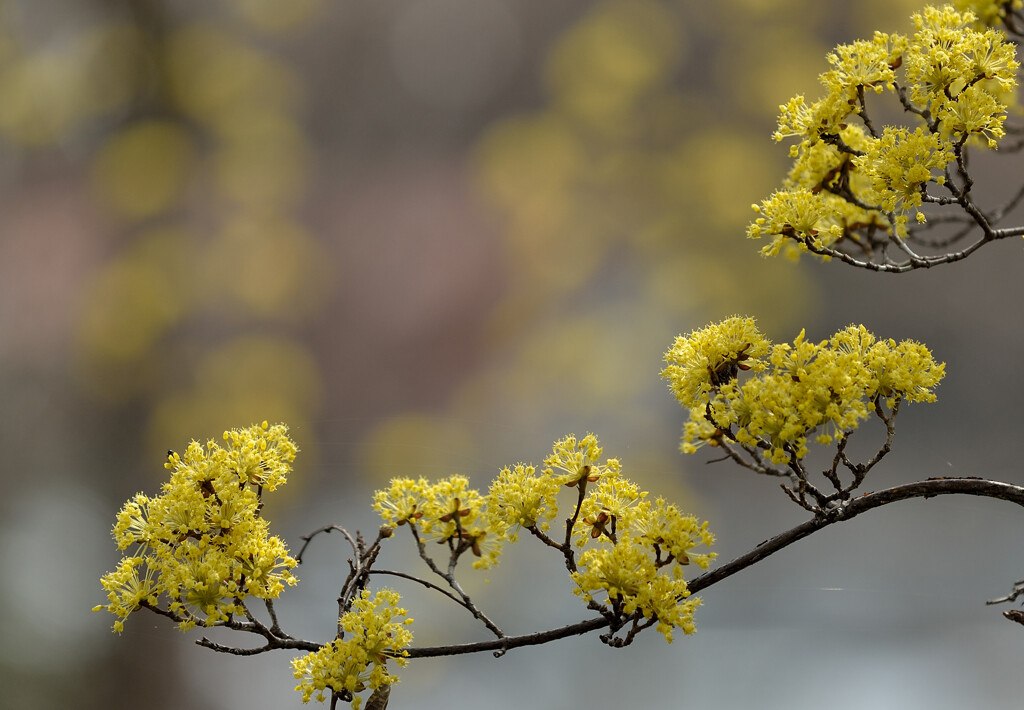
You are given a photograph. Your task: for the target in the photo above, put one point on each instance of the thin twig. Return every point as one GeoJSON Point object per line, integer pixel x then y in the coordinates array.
{"type": "Point", "coordinates": [1018, 589]}
{"type": "Point", "coordinates": [306, 539]}
{"type": "Point", "coordinates": [425, 583]}
{"type": "Point", "coordinates": [449, 577]}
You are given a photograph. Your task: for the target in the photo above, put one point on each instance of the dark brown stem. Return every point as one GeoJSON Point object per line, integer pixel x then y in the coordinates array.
{"type": "Point", "coordinates": [850, 509]}
{"type": "Point", "coordinates": [306, 539]}
{"type": "Point", "coordinates": [570, 523]}
{"type": "Point", "coordinates": [921, 489]}
{"type": "Point", "coordinates": [449, 577]}
{"type": "Point", "coordinates": [425, 583]}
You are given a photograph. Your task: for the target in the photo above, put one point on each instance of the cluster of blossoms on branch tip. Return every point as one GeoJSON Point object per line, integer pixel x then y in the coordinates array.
{"type": "Point", "coordinates": [202, 544]}
{"type": "Point", "coordinates": [358, 661]}
{"type": "Point", "coordinates": [792, 390]}
{"type": "Point", "coordinates": [632, 550]}
{"type": "Point", "coordinates": [852, 184]}
{"type": "Point", "coordinates": [446, 511]}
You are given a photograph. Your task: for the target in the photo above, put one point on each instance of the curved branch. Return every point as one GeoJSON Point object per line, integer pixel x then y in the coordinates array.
{"type": "Point", "coordinates": [921, 489]}
{"type": "Point", "coordinates": [425, 583]}
{"type": "Point", "coordinates": [306, 539]}
{"type": "Point", "coordinates": [499, 646]}
{"type": "Point", "coordinates": [289, 643]}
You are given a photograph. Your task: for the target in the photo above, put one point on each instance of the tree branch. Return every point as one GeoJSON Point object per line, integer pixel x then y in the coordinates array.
{"type": "Point", "coordinates": [499, 646]}
{"type": "Point", "coordinates": [921, 489]}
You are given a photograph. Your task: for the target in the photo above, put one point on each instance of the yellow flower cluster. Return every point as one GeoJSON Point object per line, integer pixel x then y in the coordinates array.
{"type": "Point", "coordinates": [708, 358]}
{"type": "Point", "coordinates": [855, 67]}
{"type": "Point", "coordinates": [578, 461]}
{"type": "Point", "coordinates": [798, 216]}
{"type": "Point", "coordinates": [202, 544]}
{"type": "Point", "coordinates": [803, 388]}
{"type": "Point", "coordinates": [358, 661]}
{"type": "Point", "coordinates": [637, 554]}
{"type": "Point", "coordinates": [958, 78]}
{"type": "Point", "coordinates": [947, 54]}
{"type": "Point", "coordinates": [520, 498]}
{"type": "Point", "coordinates": [448, 511]}
{"type": "Point", "coordinates": [898, 163]}
{"type": "Point", "coordinates": [634, 550]}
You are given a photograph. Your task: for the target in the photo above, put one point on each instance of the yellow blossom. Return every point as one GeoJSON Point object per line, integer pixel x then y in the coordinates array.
{"type": "Point", "coordinates": [448, 511]}
{"type": "Point", "coordinates": [899, 163]}
{"type": "Point", "coordinates": [202, 542]}
{"type": "Point", "coordinates": [632, 581]}
{"type": "Point", "coordinates": [579, 461]}
{"type": "Point", "coordinates": [402, 502]}
{"type": "Point", "coordinates": [799, 216]}
{"type": "Point", "coordinates": [607, 507]}
{"type": "Point", "coordinates": [861, 64]}
{"type": "Point", "coordinates": [519, 498]}
{"type": "Point", "coordinates": [826, 389]}
{"type": "Point", "coordinates": [947, 54]}
{"type": "Point", "coordinates": [708, 358]}
{"type": "Point", "coordinates": [974, 112]}
{"type": "Point", "coordinates": [854, 182]}
{"type": "Point", "coordinates": [358, 661]}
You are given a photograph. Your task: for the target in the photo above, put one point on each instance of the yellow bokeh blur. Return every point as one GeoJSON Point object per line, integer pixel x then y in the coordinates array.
{"type": "Point", "coordinates": [129, 307]}
{"type": "Point", "coordinates": [604, 64]}
{"type": "Point", "coordinates": [414, 444]}
{"type": "Point", "coordinates": [277, 16]}
{"type": "Point", "coordinates": [50, 92]}
{"type": "Point", "coordinates": [241, 381]}
{"type": "Point", "coordinates": [269, 267]}
{"type": "Point", "coordinates": [143, 169]}
{"type": "Point", "coordinates": [213, 75]}
{"type": "Point", "coordinates": [261, 160]}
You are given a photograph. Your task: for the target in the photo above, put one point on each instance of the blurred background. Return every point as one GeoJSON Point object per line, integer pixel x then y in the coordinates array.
{"type": "Point", "coordinates": [433, 236]}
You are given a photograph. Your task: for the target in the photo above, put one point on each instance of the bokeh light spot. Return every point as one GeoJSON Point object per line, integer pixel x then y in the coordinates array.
{"type": "Point", "coordinates": [142, 169]}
